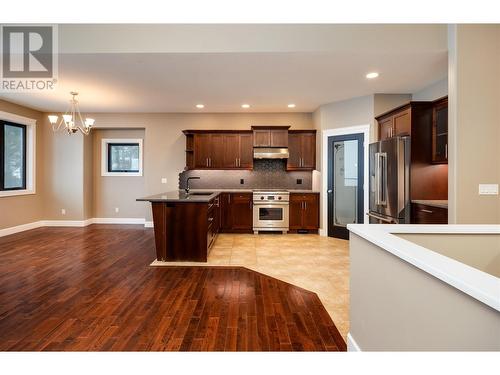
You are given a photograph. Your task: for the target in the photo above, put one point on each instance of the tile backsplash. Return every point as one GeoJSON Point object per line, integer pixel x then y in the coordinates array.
{"type": "Point", "coordinates": [266, 173]}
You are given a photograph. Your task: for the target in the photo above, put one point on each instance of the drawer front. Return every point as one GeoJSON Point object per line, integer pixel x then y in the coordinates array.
{"type": "Point", "coordinates": [423, 214]}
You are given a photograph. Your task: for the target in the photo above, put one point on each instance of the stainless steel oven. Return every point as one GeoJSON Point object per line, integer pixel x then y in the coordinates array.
{"type": "Point", "coordinates": [271, 210]}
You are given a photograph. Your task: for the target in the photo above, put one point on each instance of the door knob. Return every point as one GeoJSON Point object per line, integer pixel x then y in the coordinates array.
{"type": "Point", "coordinates": [329, 191]}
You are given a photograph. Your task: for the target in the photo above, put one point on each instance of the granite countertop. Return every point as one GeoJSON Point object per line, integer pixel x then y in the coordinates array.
{"type": "Point", "coordinates": [194, 195]}
{"type": "Point", "coordinates": [432, 202]}
{"type": "Point", "coordinates": [252, 190]}
{"type": "Point", "coordinates": [181, 196]}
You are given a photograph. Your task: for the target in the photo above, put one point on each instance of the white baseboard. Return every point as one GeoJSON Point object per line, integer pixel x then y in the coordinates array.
{"type": "Point", "coordinates": [118, 220]}
{"type": "Point", "coordinates": [352, 345]}
{"type": "Point", "coordinates": [323, 232]}
{"type": "Point", "coordinates": [66, 223]}
{"type": "Point", "coordinates": [74, 223]}
{"type": "Point", "coordinates": [20, 228]}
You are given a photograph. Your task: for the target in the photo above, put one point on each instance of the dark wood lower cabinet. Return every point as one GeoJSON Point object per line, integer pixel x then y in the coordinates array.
{"type": "Point", "coordinates": [236, 212]}
{"type": "Point", "coordinates": [304, 212]}
{"type": "Point", "coordinates": [424, 214]}
{"type": "Point", "coordinates": [183, 231]}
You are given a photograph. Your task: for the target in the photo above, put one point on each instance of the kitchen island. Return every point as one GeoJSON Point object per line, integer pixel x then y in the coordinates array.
{"type": "Point", "coordinates": [185, 225]}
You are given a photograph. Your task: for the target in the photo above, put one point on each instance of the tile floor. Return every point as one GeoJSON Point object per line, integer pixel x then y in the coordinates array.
{"type": "Point", "coordinates": [319, 264]}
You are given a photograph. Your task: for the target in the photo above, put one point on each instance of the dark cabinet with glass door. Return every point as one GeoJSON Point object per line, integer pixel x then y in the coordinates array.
{"type": "Point", "coordinates": [440, 132]}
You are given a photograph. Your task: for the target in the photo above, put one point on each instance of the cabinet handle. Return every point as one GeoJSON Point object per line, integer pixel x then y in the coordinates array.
{"type": "Point", "coordinates": [426, 211]}
{"type": "Point", "coordinates": [207, 162]}
{"type": "Point", "coordinates": [305, 205]}
{"type": "Point", "coordinates": [446, 151]}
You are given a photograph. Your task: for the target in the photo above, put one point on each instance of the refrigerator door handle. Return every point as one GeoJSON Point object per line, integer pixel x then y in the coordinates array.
{"type": "Point", "coordinates": [377, 178]}
{"type": "Point", "coordinates": [390, 221]}
{"type": "Point", "coordinates": [383, 180]}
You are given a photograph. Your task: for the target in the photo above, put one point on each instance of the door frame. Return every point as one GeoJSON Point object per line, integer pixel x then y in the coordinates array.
{"type": "Point", "coordinates": [365, 129]}
{"type": "Point", "coordinates": [339, 231]}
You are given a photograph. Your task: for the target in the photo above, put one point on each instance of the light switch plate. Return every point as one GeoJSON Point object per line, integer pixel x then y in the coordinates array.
{"type": "Point", "coordinates": [163, 180]}
{"type": "Point", "coordinates": [488, 189]}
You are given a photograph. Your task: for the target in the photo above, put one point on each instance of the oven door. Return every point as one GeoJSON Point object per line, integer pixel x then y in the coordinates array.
{"type": "Point", "coordinates": [270, 215]}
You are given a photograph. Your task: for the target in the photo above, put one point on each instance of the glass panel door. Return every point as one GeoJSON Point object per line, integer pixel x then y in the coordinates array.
{"type": "Point", "coordinates": [345, 182]}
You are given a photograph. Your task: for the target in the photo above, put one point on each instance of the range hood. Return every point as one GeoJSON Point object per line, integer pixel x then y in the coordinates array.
{"type": "Point", "coordinates": [270, 153]}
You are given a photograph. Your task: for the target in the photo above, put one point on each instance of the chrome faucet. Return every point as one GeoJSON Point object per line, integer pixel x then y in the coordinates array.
{"type": "Point", "coordinates": [187, 183]}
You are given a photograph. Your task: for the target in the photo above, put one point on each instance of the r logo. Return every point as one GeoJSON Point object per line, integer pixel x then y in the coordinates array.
{"type": "Point", "coordinates": [27, 52]}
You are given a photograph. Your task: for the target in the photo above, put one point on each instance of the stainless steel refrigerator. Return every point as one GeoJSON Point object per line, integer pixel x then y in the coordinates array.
{"type": "Point", "coordinates": [390, 181]}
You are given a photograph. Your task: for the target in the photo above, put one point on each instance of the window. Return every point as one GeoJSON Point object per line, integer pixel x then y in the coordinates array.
{"type": "Point", "coordinates": [121, 157]}
{"type": "Point", "coordinates": [12, 156]}
{"type": "Point", "coordinates": [17, 155]}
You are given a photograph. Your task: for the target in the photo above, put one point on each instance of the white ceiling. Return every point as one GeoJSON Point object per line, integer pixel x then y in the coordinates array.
{"type": "Point", "coordinates": [408, 58]}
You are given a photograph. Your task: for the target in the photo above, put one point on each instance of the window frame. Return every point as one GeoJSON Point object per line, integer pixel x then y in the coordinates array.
{"type": "Point", "coordinates": [30, 154]}
{"type": "Point", "coordinates": [105, 156]}
{"type": "Point", "coordinates": [4, 123]}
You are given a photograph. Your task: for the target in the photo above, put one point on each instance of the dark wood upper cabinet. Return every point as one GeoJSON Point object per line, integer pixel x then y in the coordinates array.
{"type": "Point", "coordinates": [216, 151]}
{"type": "Point", "coordinates": [246, 151]}
{"type": "Point", "coordinates": [270, 136]}
{"type": "Point", "coordinates": [385, 128]}
{"type": "Point", "coordinates": [304, 211]}
{"type": "Point", "coordinates": [219, 149]}
{"type": "Point", "coordinates": [425, 123]}
{"type": "Point", "coordinates": [279, 138]}
{"type": "Point", "coordinates": [231, 150]}
{"type": "Point", "coordinates": [261, 138]}
{"type": "Point", "coordinates": [402, 122]}
{"type": "Point", "coordinates": [202, 150]}
{"type": "Point", "coordinates": [302, 150]}
{"type": "Point", "coordinates": [440, 131]}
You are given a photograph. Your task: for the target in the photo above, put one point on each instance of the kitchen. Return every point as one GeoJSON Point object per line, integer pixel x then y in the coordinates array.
{"type": "Point", "coordinates": [218, 215]}
{"type": "Point", "coordinates": [261, 180]}
{"type": "Point", "coordinates": [274, 164]}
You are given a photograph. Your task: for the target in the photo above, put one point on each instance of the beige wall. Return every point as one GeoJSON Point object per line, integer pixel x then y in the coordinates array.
{"type": "Point", "coordinates": [346, 113]}
{"type": "Point", "coordinates": [432, 92]}
{"type": "Point", "coordinates": [63, 174]}
{"type": "Point", "coordinates": [88, 177]}
{"type": "Point", "coordinates": [164, 146]}
{"type": "Point", "coordinates": [25, 209]}
{"type": "Point", "coordinates": [474, 122]}
{"type": "Point", "coordinates": [385, 102]}
{"type": "Point", "coordinates": [110, 192]}
{"type": "Point", "coordinates": [68, 167]}
{"type": "Point", "coordinates": [396, 306]}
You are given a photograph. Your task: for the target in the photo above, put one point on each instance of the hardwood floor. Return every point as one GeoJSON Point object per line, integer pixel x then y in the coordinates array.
{"type": "Point", "coordinates": [92, 289]}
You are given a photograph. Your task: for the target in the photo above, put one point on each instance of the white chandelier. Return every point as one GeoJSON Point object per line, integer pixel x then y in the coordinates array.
{"type": "Point", "coordinates": [72, 120]}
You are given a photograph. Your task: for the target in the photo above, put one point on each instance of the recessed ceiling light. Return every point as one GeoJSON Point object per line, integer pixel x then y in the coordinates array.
{"type": "Point", "coordinates": [200, 106]}
{"type": "Point", "coordinates": [291, 105]}
{"type": "Point", "coordinates": [245, 106]}
{"type": "Point", "coordinates": [372, 75]}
